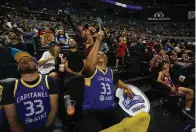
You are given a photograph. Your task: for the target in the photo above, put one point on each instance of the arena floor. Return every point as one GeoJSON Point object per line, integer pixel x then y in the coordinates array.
{"type": "Point", "coordinates": [165, 121]}
{"type": "Point", "coordinates": [164, 117]}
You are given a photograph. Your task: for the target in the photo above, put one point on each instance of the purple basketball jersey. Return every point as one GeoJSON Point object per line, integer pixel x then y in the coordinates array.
{"type": "Point", "coordinates": [32, 102]}
{"type": "Point", "coordinates": [99, 90]}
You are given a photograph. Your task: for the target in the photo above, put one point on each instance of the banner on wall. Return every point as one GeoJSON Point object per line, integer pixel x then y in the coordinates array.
{"type": "Point", "coordinates": [167, 14]}
{"type": "Point", "coordinates": [159, 16]}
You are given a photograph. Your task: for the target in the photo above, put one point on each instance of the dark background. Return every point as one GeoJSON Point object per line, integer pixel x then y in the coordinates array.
{"type": "Point", "coordinates": [177, 10]}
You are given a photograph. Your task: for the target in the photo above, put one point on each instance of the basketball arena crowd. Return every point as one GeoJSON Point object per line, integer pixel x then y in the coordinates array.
{"type": "Point", "coordinates": [58, 70]}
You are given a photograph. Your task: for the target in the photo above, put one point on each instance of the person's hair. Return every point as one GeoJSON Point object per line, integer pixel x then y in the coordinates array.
{"type": "Point", "coordinates": [157, 48]}
{"type": "Point", "coordinates": [160, 66]}
{"type": "Point", "coordinates": [51, 50]}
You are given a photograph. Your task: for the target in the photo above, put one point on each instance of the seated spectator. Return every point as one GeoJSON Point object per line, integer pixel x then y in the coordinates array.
{"type": "Point", "coordinates": [185, 57]}
{"type": "Point", "coordinates": [168, 47]}
{"type": "Point", "coordinates": [165, 57]}
{"type": "Point", "coordinates": [21, 97]}
{"type": "Point", "coordinates": [29, 33]}
{"type": "Point", "coordinates": [149, 43]}
{"type": "Point", "coordinates": [178, 61]}
{"type": "Point", "coordinates": [62, 38]}
{"type": "Point", "coordinates": [99, 106]}
{"type": "Point", "coordinates": [164, 77]}
{"type": "Point", "coordinates": [177, 48]}
{"type": "Point", "coordinates": [49, 63]}
{"type": "Point", "coordinates": [15, 42]}
{"type": "Point", "coordinates": [72, 66]}
{"type": "Point", "coordinates": [158, 57]}
{"type": "Point", "coordinates": [173, 57]}
{"type": "Point", "coordinates": [46, 36]}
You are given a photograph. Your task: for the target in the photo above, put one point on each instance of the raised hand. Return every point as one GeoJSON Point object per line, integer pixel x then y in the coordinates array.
{"type": "Point", "coordinates": [100, 34]}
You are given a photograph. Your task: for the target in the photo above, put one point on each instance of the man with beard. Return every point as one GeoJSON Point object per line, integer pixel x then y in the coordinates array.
{"type": "Point", "coordinates": [74, 82]}
{"type": "Point", "coordinates": [31, 102]}
{"type": "Point", "coordinates": [75, 59]}
{"type": "Point", "coordinates": [16, 43]}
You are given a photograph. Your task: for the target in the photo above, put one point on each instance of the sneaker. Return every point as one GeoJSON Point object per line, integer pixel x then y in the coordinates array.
{"type": "Point", "coordinates": [189, 114]}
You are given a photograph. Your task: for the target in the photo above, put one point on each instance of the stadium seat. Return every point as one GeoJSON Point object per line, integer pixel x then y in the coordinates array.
{"type": "Point", "coordinates": [165, 101]}
{"type": "Point", "coordinates": [160, 88]}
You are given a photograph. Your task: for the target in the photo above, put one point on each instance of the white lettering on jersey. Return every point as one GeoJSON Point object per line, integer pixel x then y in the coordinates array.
{"type": "Point", "coordinates": [32, 95]}
{"type": "Point", "coordinates": [104, 79]}
{"type": "Point", "coordinates": [35, 119]}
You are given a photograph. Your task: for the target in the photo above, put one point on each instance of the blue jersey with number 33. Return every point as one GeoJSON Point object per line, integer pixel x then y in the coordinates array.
{"type": "Point", "coordinates": [32, 102]}
{"type": "Point", "coordinates": [99, 90]}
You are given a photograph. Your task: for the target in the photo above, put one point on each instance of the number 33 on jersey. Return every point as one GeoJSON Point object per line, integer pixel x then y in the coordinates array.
{"type": "Point", "coordinates": [32, 102]}
{"type": "Point", "coordinates": [99, 90]}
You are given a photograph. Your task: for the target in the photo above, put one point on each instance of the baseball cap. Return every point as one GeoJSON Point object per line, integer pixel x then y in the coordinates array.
{"type": "Point", "coordinates": [22, 54]}
{"type": "Point", "coordinates": [53, 43]}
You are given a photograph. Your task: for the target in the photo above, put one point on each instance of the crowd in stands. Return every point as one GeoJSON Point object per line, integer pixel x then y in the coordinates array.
{"type": "Point", "coordinates": [29, 30]}
{"type": "Point", "coordinates": [154, 29]}
{"type": "Point", "coordinates": [32, 27]}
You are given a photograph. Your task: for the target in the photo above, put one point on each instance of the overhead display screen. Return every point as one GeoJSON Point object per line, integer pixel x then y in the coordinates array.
{"type": "Point", "coordinates": [123, 5]}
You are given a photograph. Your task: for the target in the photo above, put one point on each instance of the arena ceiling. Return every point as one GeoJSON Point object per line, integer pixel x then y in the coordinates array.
{"type": "Point", "coordinates": [140, 2]}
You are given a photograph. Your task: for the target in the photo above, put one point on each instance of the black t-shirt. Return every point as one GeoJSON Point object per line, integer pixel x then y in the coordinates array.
{"type": "Point", "coordinates": [75, 60]}
{"type": "Point", "coordinates": [8, 90]}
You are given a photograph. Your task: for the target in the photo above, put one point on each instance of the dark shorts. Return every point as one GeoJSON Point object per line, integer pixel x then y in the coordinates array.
{"type": "Point", "coordinates": [96, 121]}
{"type": "Point", "coordinates": [119, 57]}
